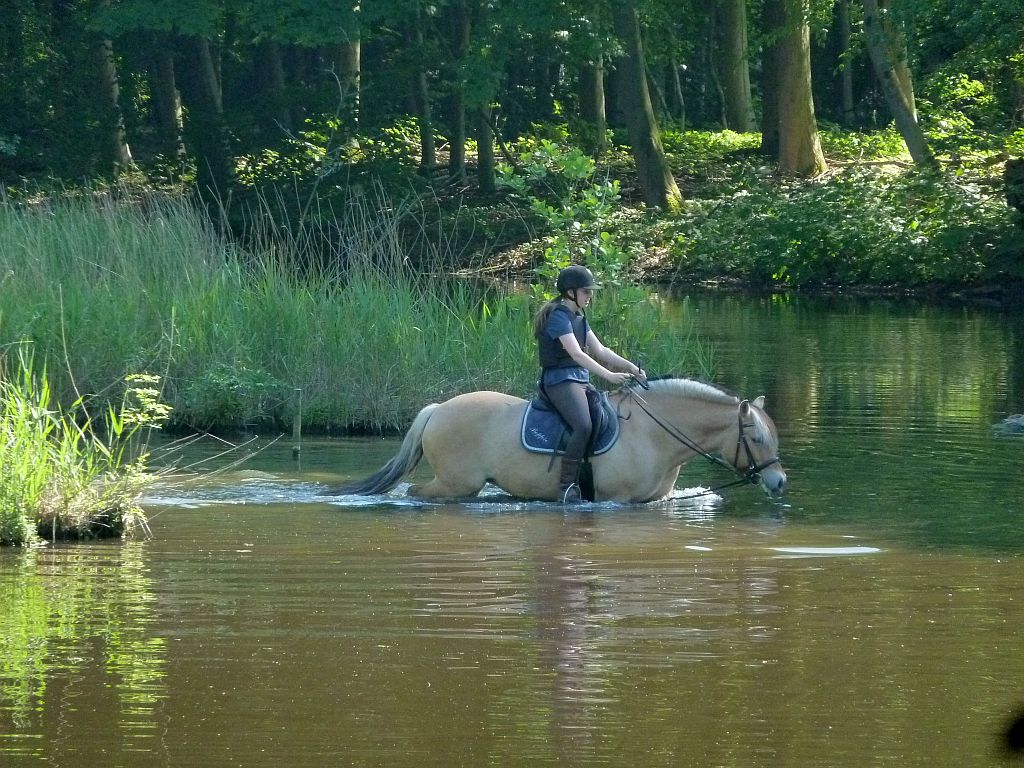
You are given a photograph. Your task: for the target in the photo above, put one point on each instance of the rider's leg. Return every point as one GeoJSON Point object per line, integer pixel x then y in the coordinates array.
{"type": "Point", "coordinates": [570, 398]}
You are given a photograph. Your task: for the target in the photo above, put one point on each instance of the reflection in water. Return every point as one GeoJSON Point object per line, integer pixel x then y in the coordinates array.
{"type": "Point", "coordinates": [77, 623]}
{"type": "Point", "coordinates": [569, 593]}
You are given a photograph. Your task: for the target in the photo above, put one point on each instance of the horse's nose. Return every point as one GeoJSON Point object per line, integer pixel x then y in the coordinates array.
{"type": "Point", "coordinates": [774, 482]}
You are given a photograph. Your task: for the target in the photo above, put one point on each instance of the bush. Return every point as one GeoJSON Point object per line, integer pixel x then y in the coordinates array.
{"type": "Point", "coordinates": [859, 226]}
{"type": "Point", "coordinates": [61, 474]}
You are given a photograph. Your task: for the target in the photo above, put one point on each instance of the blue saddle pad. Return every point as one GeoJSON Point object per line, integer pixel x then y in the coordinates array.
{"type": "Point", "coordinates": [543, 428]}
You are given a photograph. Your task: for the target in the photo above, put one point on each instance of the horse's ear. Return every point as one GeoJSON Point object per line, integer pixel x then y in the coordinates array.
{"type": "Point", "coordinates": [759, 402]}
{"type": "Point", "coordinates": [744, 407]}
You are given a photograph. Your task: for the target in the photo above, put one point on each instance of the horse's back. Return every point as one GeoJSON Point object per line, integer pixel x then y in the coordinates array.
{"type": "Point", "coordinates": [476, 412]}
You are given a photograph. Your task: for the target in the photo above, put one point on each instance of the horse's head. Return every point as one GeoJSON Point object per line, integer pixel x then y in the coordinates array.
{"type": "Point", "coordinates": [757, 448]}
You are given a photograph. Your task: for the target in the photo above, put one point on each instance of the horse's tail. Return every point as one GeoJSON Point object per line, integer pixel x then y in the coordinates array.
{"type": "Point", "coordinates": [404, 462]}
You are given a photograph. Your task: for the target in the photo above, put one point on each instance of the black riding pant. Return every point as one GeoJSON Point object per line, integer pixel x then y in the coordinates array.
{"type": "Point", "coordinates": [570, 399]}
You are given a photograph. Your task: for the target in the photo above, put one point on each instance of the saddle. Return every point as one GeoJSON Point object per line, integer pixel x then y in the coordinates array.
{"type": "Point", "coordinates": [544, 431]}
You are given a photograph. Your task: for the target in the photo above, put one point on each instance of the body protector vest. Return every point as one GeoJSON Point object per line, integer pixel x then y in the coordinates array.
{"type": "Point", "coordinates": [552, 353]}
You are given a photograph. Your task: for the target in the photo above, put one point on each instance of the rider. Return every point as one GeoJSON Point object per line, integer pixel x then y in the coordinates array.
{"type": "Point", "coordinates": [569, 352]}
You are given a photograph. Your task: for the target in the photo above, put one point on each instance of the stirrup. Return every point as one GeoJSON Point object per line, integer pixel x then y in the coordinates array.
{"type": "Point", "coordinates": [571, 494]}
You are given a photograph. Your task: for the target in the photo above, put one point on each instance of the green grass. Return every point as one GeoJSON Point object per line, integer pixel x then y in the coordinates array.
{"type": "Point", "coordinates": [61, 474]}
{"type": "Point", "coordinates": [331, 306]}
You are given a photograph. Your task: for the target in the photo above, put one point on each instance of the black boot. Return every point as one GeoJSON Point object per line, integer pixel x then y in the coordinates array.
{"type": "Point", "coordinates": [568, 486]}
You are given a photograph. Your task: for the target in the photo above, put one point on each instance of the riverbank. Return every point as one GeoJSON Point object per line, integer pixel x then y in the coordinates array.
{"type": "Point", "coordinates": [247, 339]}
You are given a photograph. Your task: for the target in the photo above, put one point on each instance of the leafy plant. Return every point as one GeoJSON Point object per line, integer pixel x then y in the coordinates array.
{"type": "Point", "coordinates": [234, 394]}
{"type": "Point", "coordinates": [559, 187]}
{"type": "Point", "coordinates": [61, 474]}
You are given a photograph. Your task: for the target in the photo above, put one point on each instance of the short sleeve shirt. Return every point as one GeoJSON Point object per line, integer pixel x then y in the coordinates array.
{"type": "Point", "coordinates": [558, 324]}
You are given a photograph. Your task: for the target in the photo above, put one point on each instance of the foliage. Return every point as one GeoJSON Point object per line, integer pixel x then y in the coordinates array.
{"type": "Point", "coordinates": [857, 145]}
{"type": "Point", "coordinates": [860, 226]}
{"type": "Point", "coordinates": [953, 107]}
{"type": "Point", "coordinates": [233, 393]}
{"type": "Point", "coordinates": [317, 154]}
{"type": "Point", "coordinates": [558, 185]}
{"type": "Point", "coordinates": [697, 152]}
{"type": "Point", "coordinates": [62, 473]}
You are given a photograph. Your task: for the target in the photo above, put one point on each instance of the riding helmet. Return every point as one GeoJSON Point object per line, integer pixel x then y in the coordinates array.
{"type": "Point", "coordinates": [574, 277]}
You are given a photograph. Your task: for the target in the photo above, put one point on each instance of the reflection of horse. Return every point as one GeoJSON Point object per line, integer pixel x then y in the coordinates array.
{"type": "Point", "coordinates": [473, 439]}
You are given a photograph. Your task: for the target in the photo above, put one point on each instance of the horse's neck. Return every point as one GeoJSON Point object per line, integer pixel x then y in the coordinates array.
{"type": "Point", "coordinates": [704, 421]}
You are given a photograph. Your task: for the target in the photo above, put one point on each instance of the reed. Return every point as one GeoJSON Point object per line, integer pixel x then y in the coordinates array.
{"type": "Point", "coordinates": [62, 475]}
{"type": "Point", "coordinates": [330, 304]}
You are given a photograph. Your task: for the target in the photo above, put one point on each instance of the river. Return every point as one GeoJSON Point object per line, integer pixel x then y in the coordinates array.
{"type": "Point", "coordinates": [872, 617]}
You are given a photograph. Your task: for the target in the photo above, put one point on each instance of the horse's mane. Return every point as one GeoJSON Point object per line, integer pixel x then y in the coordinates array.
{"type": "Point", "coordinates": [711, 393]}
{"type": "Point", "coordinates": [702, 390]}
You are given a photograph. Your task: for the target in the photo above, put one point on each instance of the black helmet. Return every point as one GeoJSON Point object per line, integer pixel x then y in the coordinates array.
{"type": "Point", "coordinates": [574, 277]}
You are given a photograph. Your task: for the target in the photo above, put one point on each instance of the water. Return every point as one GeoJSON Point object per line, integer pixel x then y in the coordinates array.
{"type": "Point", "coordinates": [871, 618]}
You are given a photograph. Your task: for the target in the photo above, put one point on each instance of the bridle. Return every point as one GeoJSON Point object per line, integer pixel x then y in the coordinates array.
{"type": "Point", "coordinates": [751, 475]}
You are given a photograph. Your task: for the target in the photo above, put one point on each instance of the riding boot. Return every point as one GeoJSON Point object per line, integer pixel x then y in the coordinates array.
{"type": "Point", "coordinates": [568, 486]}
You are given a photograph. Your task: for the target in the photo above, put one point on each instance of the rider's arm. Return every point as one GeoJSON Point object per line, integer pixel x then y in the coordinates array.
{"type": "Point", "coordinates": [572, 346]}
{"type": "Point", "coordinates": [602, 354]}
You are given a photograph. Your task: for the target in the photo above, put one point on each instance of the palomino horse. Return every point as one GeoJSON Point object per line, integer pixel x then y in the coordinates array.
{"type": "Point", "coordinates": [473, 439]}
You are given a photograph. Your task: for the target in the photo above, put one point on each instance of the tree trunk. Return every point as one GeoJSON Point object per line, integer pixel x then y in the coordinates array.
{"type": "Point", "coordinates": [657, 186]}
{"type": "Point", "coordinates": [1013, 184]}
{"type": "Point", "coordinates": [275, 85]}
{"type": "Point", "coordinates": [739, 115]}
{"type": "Point", "coordinates": [348, 67]}
{"type": "Point", "coordinates": [799, 146]}
{"type": "Point", "coordinates": [166, 102]}
{"type": "Point", "coordinates": [420, 92]}
{"type": "Point", "coordinates": [842, 16]}
{"type": "Point", "coordinates": [13, 93]}
{"type": "Point", "coordinates": [462, 32]}
{"type": "Point", "coordinates": [678, 103]}
{"type": "Point", "coordinates": [485, 169]}
{"type": "Point", "coordinates": [110, 96]}
{"type": "Point", "coordinates": [772, 20]}
{"type": "Point", "coordinates": [879, 40]}
{"type": "Point", "coordinates": [592, 107]}
{"type": "Point", "coordinates": [206, 134]}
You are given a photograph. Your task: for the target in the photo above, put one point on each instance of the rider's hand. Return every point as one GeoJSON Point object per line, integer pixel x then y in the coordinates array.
{"type": "Point", "coordinates": [640, 376]}
{"type": "Point", "coordinates": [618, 378]}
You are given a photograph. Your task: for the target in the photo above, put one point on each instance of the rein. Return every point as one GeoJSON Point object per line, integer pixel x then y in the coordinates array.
{"type": "Point", "coordinates": [752, 474]}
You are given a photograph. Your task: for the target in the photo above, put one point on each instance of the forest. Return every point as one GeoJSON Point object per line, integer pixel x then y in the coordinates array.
{"type": "Point", "coordinates": [775, 142]}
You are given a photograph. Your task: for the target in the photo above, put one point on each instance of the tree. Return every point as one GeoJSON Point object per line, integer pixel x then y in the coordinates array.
{"type": "Point", "coordinates": [845, 59]}
{"type": "Point", "coordinates": [894, 77]}
{"type": "Point", "coordinates": [657, 185]}
{"type": "Point", "coordinates": [462, 37]}
{"type": "Point", "coordinates": [206, 132]}
{"type": "Point", "coordinates": [419, 88]}
{"type": "Point", "coordinates": [592, 104]}
{"type": "Point", "coordinates": [799, 145]}
{"type": "Point", "coordinates": [109, 92]}
{"type": "Point", "coordinates": [735, 66]}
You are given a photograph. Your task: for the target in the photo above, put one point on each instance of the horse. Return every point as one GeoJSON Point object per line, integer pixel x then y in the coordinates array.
{"type": "Point", "coordinates": [474, 439]}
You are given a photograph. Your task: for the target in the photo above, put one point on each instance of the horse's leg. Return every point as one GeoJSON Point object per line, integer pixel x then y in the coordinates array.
{"type": "Point", "coordinates": [456, 476]}
{"type": "Point", "coordinates": [452, 488]}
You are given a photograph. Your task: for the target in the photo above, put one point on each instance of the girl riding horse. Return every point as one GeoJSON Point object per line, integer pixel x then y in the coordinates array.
{"type": "Point", "coordinates": [569, 352]}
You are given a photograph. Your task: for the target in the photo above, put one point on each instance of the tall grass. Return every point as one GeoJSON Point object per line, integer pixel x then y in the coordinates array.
{"type": "Point", "coordinates": [330, 306]}
{"type": "Point", "coordinates": [61, 474]}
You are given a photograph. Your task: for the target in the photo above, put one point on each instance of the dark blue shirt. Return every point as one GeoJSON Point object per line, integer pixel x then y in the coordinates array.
{"type": "Point", "coordinates": [558, 324]}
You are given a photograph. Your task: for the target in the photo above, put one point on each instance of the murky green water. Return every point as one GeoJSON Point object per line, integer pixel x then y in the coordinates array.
{"type": "Point", "coordinates": [873, 618]}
